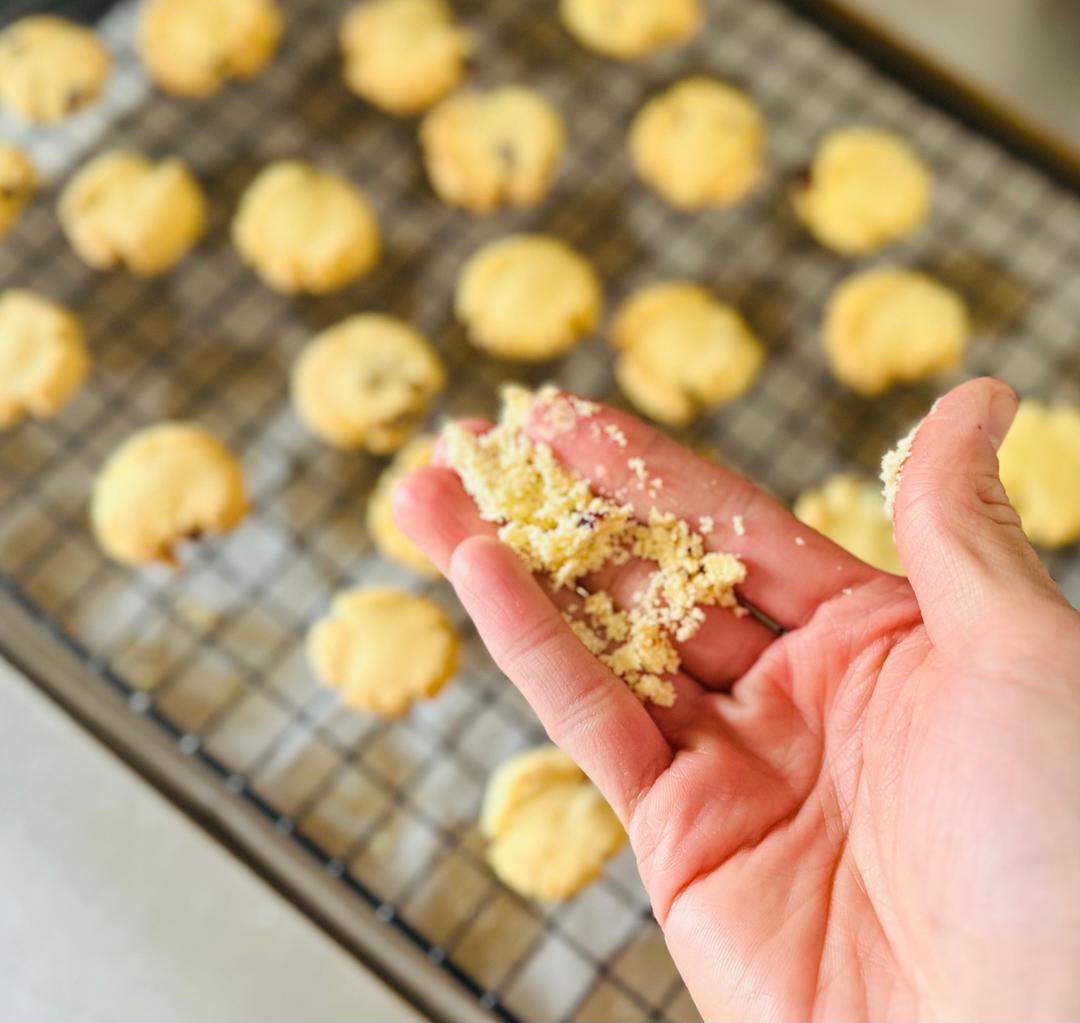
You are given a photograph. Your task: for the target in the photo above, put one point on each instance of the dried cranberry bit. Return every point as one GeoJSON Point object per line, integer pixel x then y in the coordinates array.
{"type": "Point", "coordinates": [590, 520]}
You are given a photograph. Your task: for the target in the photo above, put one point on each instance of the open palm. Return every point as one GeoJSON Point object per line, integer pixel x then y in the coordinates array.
{"type": "Point", "coordinates": [872, 814]}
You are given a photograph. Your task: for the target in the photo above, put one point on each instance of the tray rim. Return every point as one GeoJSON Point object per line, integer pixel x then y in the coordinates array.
{"type": "Point", "coordinates": [57, 666]}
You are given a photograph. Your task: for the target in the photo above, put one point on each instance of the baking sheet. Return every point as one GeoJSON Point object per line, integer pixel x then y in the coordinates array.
{"type": "Point", "coordinates": [214, 656]}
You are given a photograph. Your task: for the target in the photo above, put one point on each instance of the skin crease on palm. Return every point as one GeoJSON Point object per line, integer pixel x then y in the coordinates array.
{"type": "Point", "coordinates": [873, 815]}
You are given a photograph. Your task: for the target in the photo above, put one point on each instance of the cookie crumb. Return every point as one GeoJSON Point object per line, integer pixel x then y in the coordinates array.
{"type": "Point", "coordinates": [637, 466]}
{"type": "Point", "coordinates": [892, 467]}
{"type": "Point", "coordinates": [800, 541]}
{"type": "Point", "coordinates": [705, 524]}
{"type": "Point", "coordinates": [559, 527]}
{"type": "Point", "coordinates": [739, 611]}
{"type": "Point", "coordinates": [846, 591]}
{"type": "Point", "coordinates": [615, 434]}
{"type": "Point", "coordinates": [737, 525]}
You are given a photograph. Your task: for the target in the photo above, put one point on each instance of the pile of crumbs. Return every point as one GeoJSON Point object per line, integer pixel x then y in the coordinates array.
{"type": "Point", "coordinates": [563, 530]}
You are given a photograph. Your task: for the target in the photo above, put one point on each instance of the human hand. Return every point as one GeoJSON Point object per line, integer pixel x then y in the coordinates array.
{"type": "Point", "coordinates": [871, 815]}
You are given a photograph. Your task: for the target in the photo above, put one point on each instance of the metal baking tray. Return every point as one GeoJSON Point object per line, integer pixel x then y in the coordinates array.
{"type": "Point", "coordinates": [198, 679]}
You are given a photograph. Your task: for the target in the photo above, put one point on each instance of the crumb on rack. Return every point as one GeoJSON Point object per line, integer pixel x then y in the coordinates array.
{"type": "Point", "coordinates": [560, 528]}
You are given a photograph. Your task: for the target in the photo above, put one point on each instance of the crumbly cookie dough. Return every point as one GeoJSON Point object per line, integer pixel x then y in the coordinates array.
{"type": "Point", "coordinates": [43, 357]}
{"type": "Point", "coordinates": [560, 528]}
{"type": "Point", "coordinates": [192, 47]}
{"type": "Point", "coordinates": [164, 484]}
{"type": "Point", "coordinates": [628, 29]}
{"type": "Point", "coordinates": [527, 297]}
{"type": "Point", "coordinates": [887, 325]}
{"type": "Point", "coordinates": [699, 143]}
{"type": "Point", "coordinates": [487, 149]}
{"type": "Point", "coordinates": [865, 188]}
{"type": "Point", "coordinates": [403, 55]}
{"type": "Point", "coordinates": [549, 829]}
{"type": "Point", "coordinates": [384, 531]}
{"type": "Point", "coordinates": [305, 229]}
{"type": "Point", "coordinates": [1039, 465]}
{"type": "Point", "coordinates": [850, 511]}
{"type": "Point", "coordinates": [366, 382]}
{"type": "Point", "coordinates": [681, 351]}
{"type": "Point", "coordinates": [384, 649]}
{"type": "Point", "coordinates": [50, 67]}
{"type": "Point", "coordinates": [18, 183]}
{"type": "Point", "coordinates": [121, 209]}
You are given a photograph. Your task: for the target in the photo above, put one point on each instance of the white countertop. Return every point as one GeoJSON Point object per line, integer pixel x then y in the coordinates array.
{"type": "Point", "coordinates": [116, 907]}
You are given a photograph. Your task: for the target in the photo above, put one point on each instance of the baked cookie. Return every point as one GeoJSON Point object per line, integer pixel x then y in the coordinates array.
{"type": "Point", "coordinates": [192, 47]}
{"type": "Point", "coordinates": [699, 143]}
{"type": "Point", "coordinates": [550, 830]}
{"type": "Point", "coordinates": [50, 67]}
{"type": "Point", "coordinates": [383, 648]}
{"type": "Point", "coordinates": [865, 188]}
{"type": "Point", "coordinates": [165, 483]}
{"type": "Point", "coordinates": [385, 532]}
{"type": "Point", "coordinates": [18, 183]}
{"type": "Point", "coordinates": [527, 297]}
{"type": "Point", "coordinates": [627, 29]}
{"type": "Point", "coordinates": [305, 229]}
{"type": "Point", "coordinates": [366, 382]}
{"type": "Point", "coordinates": [403, 55]}
{"type": "Point", "coordinates": [43, 357]}
{"type": "Point", "coordinates": [887, 325]}
{"type": "Point", "coordinates": [681, 350]}
{"type": "Point", "coordinates": [850, 511]}
{"type": "Point", "coordinates": [1039, 465]}
{"type": "Point", "coordinates": [123, 209]}
{"type": "Point", "coordinates": [483, 150]}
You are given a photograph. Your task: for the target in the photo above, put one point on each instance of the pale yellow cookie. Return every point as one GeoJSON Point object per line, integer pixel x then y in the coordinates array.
{"type": "Point", "coordinates": [628, 29]}
{"type": "Point", "coordinates": [699, 143]}
{"type": "Point", "coordinates": [121, 209]}
{"type": "Point", "coordinates": [550, 831]}
{"type": "Point", "coordinates": [164, 484]}
{"type": "Point", "coordinates": [384, 649]}
{"type": "Point", "coordinates": [865, 188]}
{"type": "Point", "coordinates": [50, 67]}
{"type": "Point", "coordinates": [43, 357]}
{"type": "Point", "coordinates": [403, 55]}
{"type": "Point", "coordinates": [850, 511]}
{"type": "Point", "coordinates": [305, 229]}
{"type": "Point", "coordinates": [483, 150]}
{"type": "Point", "coordinates": [681, 350]}
{"type": "Point", "coordinates": [887, 325]}
{"type": "Point", "coordinates": [192, 47]}
{"type": "Point", "coordinates": [527, 297]}
{"type": "Point", "coordinates": [385, 532]}
{"type": "Point", "coordinates": [18, 183]}
{"type": "Point", "coordinates": [1039, 464]}
{"type": "Point", "coordinates": [366, 382]}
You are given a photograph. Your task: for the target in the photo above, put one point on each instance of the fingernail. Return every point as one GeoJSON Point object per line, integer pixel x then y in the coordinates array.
{"type": "Point", "coordinates": [1000, 415]}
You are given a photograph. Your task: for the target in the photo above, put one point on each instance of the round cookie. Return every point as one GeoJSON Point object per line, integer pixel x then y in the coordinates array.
{"type": "Point", "coordinates": [366, 382]}
{"type": "Point", "coordinates": [527, 297]}
{"type": "Point", "coordinates": [887, 325]}
{"type": "Point", "coordinates": [43, 357]}
{"type": "Point", "coordinates": [384, 531]}
{"type": "Point", "coordinates": [483, 150]}
{"type": "Point", "coordinates": [403, 55]}
{"type": "Point", "coordinates": [304, 229]}
{"type": "Point", "coordinates": [681, 350]}
{"type": "Point", "coordinates": [865, 188]}
{"type": "Point", "coordinates": [50, 67]}
{"type": "Point", "coordinates": [550, 830]}
{"type": "Point", "coordinates": [18, 183]}
{"type": "Point", "coordinates": [850, 511]}
{"type": "Point", "coordinates": [383, 648]}
{"type": "Point", "coordinates": [122, 209]}
{"type": "Point", "coordinates": [628, 29]}
{"type": "Point", "coordinates": [192, 47]}
{"type": "Point", "coordinates": [699, 143]}
{"type": "Point", "coordinates": [164, 484]}
{"type": "Point", "coordinates": [1039, 465]}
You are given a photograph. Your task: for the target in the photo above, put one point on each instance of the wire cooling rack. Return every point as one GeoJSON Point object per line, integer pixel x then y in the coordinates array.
{"type": "Point", "coordinates": [199, 677]}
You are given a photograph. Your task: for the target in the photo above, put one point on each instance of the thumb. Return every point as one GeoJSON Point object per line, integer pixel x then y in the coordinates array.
{"type": "Point", "coordinates": [959, 538]}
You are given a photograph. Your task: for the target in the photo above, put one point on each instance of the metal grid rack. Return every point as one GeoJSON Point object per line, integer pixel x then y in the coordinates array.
{"type": "Point", "coordinates": [210, 662]}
